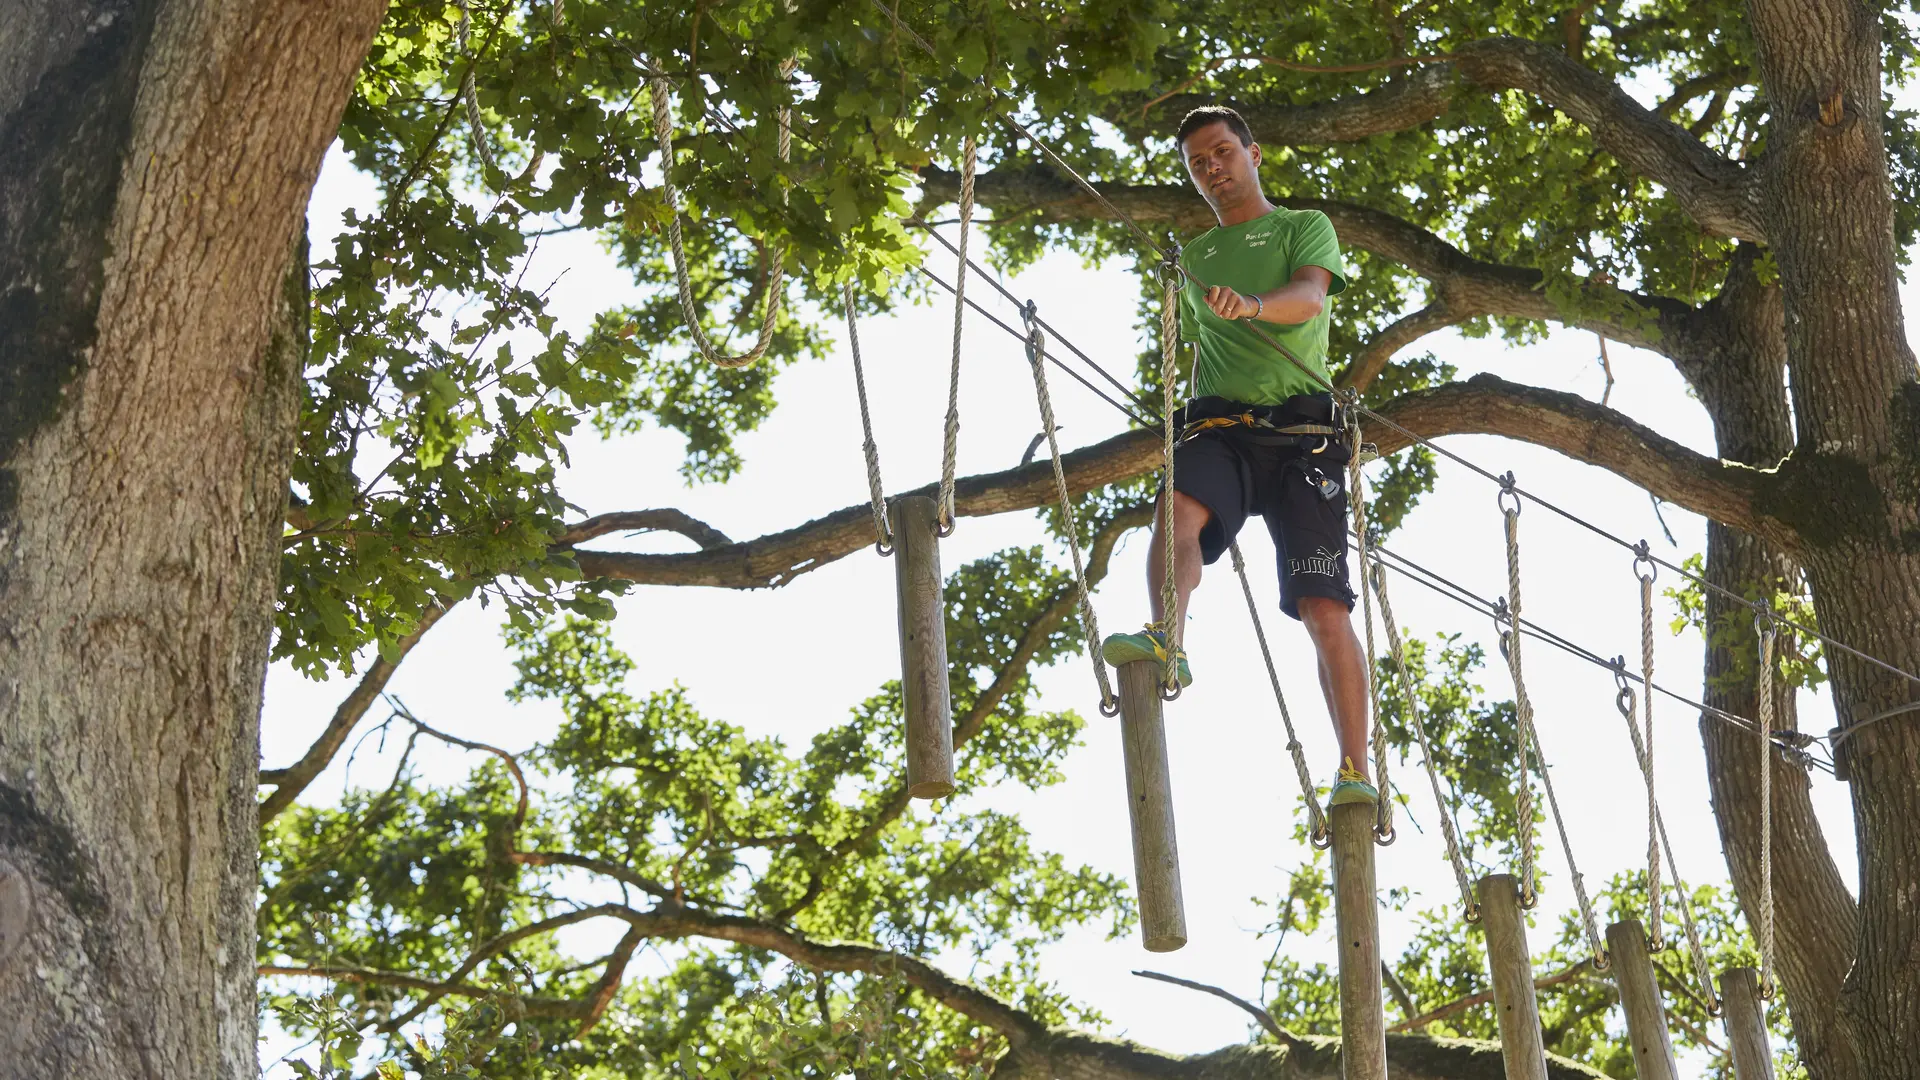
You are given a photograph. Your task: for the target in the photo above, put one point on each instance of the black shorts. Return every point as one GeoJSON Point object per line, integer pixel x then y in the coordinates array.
{"type": "Point", "coordinates": [1234, 472]}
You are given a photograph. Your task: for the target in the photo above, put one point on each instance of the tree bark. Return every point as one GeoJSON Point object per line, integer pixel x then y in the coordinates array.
{"type": "Point", "coordinates": [157, 155]}
{"type": "Point", "coordinates": [1853, 485]}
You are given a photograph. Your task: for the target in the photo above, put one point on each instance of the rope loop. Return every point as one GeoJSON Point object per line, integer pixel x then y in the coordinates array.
{"type": "Point", "coordinates": [1643, 556]}
{"type": "Point", "coordinates": [1508, 490]}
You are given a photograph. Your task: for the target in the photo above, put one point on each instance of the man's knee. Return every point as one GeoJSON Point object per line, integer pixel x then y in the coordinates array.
{"type": "Point", "coordinates": [1324, 613]}
{"type": "Point", "coordinates": [1190, 516]}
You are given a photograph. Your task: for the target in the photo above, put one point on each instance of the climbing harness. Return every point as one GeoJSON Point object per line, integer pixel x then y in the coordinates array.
{"type": "Point", "coordinates": [1657, 939]}
{"type": "Point", "coordinates": [951, 448]}
{"type": "Point", "coordinates": [1169, 375]}
{"type": "Point", "coordinates": [1763, 625]}
{"type": "Point", "coordinates": [884, 542]}
{"type": "Point", "coordinates": [662, 93]}
{"type": "Point", "coordinates": [1522, 703]}
{"type": "Point", "coordinates": [1036, 353]}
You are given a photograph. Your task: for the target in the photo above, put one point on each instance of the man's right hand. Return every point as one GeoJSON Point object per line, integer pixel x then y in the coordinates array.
{"type": "Point", "coordinates": [1229, 304]}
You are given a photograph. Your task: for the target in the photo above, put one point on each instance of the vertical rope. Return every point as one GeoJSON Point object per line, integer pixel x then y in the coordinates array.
{"type": "Point", "coordinates": [1357, 496]}
{"type": "Point", "coordinates": [1169, 376]}
{"type": "Point", "coordinates": [1764, 624]}
{"type": "Point", "coordinates": [1657, 931]}
{"type": "Point", "coordinates": [874, 488]}
{"type": "Point", "coordinates": [1318, 832]}
{"type": "Point", "coordinates": [1036, 356]}
{"type": "Point", "coordinates": [1587, 919]}
{"type": "Point", "coordinates": [470, 98]}
{"type": "Point", "coordinates": [1376, 576]}
{"type": "Point", "coordinates": [950, 450]}
{"type": "Point", "coordinates": [1523, 705]}
{"type": "Point", "coordinates": [662, 93]}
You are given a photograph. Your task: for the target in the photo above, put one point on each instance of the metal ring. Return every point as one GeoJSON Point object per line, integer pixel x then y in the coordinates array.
{"type": "Point", "coordinates": [1767, 990]}
{"type": "Point", "coordinates": [1507, 488]}
{"type": "Point", "coordinates": [1658, 943]}
{"type": "Point", "coordinates": [1109, 706]}
{"type": "Point", "coordinates": [1175, 695]}
{"type": "Point", "coordinates": [1602, 961]}
{"type": "Point", "coordinates": [1472, 914]}
{"type": "Point", "coordinates": [944, 529]}
{"type": "Point", "coordinates": [885, 549]}
{"type": "Point", "coordinates": [1324, 443]}
{"type": "Point", "coordinates": [1716, 1007]}
{"type": "Point", "coordinates": [1385, 839]}
{"type": "Point", "coordinates": [1321, 838]}
{"type": "Point", "coordinates": [1643, 553]}
{"type": "Point", "coordinates": [1529, 899]}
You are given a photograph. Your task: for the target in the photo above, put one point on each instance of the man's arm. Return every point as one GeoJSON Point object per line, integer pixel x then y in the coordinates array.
{"type": "Point", "coordinates": [1295, 302]}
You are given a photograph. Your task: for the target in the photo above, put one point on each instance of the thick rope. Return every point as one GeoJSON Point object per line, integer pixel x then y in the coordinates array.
{"type": "Point", "coordinates": [1523, 705]}
{"type": "Point", "coordinates": [1376, 576]}
{"type": "Point", "coordinates": [1357, 496]}
{"type": "Point", "coordinates": [950, 449]}
{"type": "Point", "coordinates": [1318, 833]}
{"type": "Point", "coordinates": [875, 489]}
{"type": "Point", "coordinates": [1036, 356]}
{"type": "Point", "coordinates": [1587, 918]}
{"type": "Point", "coordinates": [1169, 401]}
{"type": "Point", "coordinates": [662, 93]}
{"type": "Point", "coordinates": [1767, 631]}
{"type": "Point", "coordinates": [1657, 930]}
{"type": "Point", "coordinates": [471, 99]}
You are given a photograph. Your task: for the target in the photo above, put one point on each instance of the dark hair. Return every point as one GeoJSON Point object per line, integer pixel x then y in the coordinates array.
{"type": "Point", "coordinates": [1214, 114]}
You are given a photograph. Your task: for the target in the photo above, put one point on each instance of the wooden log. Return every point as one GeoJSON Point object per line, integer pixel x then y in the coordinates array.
{"type": "Point", "coordinates": [923, 646]}
{"type": "Point", "coordinates": [1156, 853]}
{"type": "Point", "coordinates": [1640, 999]}
{"type": "Point", "coordinates": [1356, 909]}
{"type": "Point", "coordinates": [1522, 1044]}
{"type": "Point", "coordinates": [1746, 1019]}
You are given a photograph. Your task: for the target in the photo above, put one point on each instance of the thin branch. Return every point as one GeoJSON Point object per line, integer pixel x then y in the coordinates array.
{"type": "Point", "coordinates": [294, 779]}
{"type": "Point", "coordinates": [1265, 1018]}
{"type": "Point", "coordinates": [512, 763]}
{"type": "Point", "coordinates": [664, 519]}
{"type": "Point", "coordinates": [613, 870]}
{"type": "Point", "coordinates": [535, 1006]}
{"type": "Point", "coordinates": [495, 945]}
{"type": "Point", "coordinates": [1459, 1005]}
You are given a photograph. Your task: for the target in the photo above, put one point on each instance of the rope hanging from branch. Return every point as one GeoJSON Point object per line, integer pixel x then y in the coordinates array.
{"type": "Point", "coordinates": [950, 449]}
{"type": "Point", "coordinates": [875, 490]}
{"type": "Point", "coordinates": [662, 93]}
{"type": "Point", "coordinates": [1657, 933]}
{"type": "Point", "coordinates": [1763, 623]}
{"type": "Point", "coordinates": [1376, 577]}
{"type": "Point", "coordinates": [1036, 357]}
{"type": "Point", "coordinates": [1522, 704]}
{"type": "Point", "coordinates": [1169, 401]}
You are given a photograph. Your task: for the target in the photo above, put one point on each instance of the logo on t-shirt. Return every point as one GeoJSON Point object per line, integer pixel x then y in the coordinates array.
{"type": "Point", "coordinates": [1259, 239]}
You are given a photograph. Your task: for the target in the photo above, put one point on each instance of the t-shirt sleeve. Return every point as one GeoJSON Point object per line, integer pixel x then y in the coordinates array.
{"type": "Point", "coordinates": [1188, 331]}
{"type": "Point", "coordinates": [1314, 244]}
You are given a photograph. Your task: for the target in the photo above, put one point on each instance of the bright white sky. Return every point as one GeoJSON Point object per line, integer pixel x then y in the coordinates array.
{"type": "Point", "coordinates": [831, 633]}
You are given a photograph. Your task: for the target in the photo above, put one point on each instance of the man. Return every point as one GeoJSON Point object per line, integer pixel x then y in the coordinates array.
{"type": "Point", "coordinates": [1261, 436]}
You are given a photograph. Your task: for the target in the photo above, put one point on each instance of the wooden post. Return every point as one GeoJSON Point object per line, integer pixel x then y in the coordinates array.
{"type": "Point", "coordinates": [1746, 1020]}
{"type": "Point", "coordinates": [1356, 909]}
{"type": "Point", "coordinates": [1522, 1044]}
{"type": "Point", "coordinates": [1640, 1000]}
{"type": "Point", "coordinates": [1156, 854]}
{"type": "Point", "coordinates": [923, 646]}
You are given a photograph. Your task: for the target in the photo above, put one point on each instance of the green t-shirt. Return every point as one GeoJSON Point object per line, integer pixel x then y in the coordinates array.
{"type": "Point", "coordinates": [1257, 256]}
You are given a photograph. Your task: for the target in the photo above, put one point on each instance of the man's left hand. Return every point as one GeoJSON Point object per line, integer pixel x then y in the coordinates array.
{"type": "Point", "coordinates": [1229, 304]}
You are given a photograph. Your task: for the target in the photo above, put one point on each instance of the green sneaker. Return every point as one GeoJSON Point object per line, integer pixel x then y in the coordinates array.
{"type": "Point", "coordinates": [1350, 786]}
{"type": "Point", "coordinates": [1148, 644]}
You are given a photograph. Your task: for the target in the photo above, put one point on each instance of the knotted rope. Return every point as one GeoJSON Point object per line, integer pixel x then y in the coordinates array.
{"type": "Point", "coordinates": [1523, 705]}
{"type": "Point", "coordinates": [875, 490]}
{"type": "Point", "coordinates": [1318, 833]}
{"type": "Point", "coordinates": [662, 93]}
{"type": "Point", "coordinates": [950, 450]}
{"type": "Point", "coordinates": [1376, 576]}
{"type": "Point", "coordinates": [1169, 401]}
{"type": "Point", "coordinates": [1657, 931]}
{"type": "Point", "coordinates": [1357, 494]}
{"type": "Point", "coordinates": [1037, 358]}
{"type": "Point", "coordinates": [1763, 623]}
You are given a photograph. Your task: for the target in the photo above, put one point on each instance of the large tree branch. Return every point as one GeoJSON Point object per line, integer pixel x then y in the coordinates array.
{"type": "Point", "coordinates": [293, 779]}
{"type": "Point", "coordinates": [1717, 193]}
{"type": "Point", "coordinates": [1373, 357]}
{"type": "Point", "coordinates": [1487, 405]}
{"type": "Point", "coordinates": [1464, 287]}
{"type": "Point", "coordinates": [778, 558]}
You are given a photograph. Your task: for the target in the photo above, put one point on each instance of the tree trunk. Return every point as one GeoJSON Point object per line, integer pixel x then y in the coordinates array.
{"type": "Point", "coordinates": [156, 159]}
{"type": "Point", "coordinates": [1852, 487]}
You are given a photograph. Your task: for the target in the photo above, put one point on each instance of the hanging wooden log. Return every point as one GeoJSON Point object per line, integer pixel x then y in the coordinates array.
{"type": "Point", "coordinates": [1356, 910]}
{"type": "Point", "coordinates": [1746, 1020]}
{"type": "Point", "coordinates": [1522, 1044]}
{"type": "Point", "coordinates": [1640, 1000]}
{"type": "Point", "coordinates": [923, 646]}
{"type": "Point", "coordinates": [1156, 853]}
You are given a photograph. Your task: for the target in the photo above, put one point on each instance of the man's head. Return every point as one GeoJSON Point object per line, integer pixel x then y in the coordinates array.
{"type": "Point", "coordinates": [1221, 156]}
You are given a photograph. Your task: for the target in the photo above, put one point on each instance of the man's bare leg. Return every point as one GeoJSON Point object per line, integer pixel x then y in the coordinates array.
{"type": "Point", "coordinates": [1190, 516]}
{"type": "Point", "coordinates": [1343, 672]}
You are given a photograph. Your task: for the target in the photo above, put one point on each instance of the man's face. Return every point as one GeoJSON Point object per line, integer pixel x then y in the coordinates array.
{"type": "Point", "coordinates": [1226, 171]}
